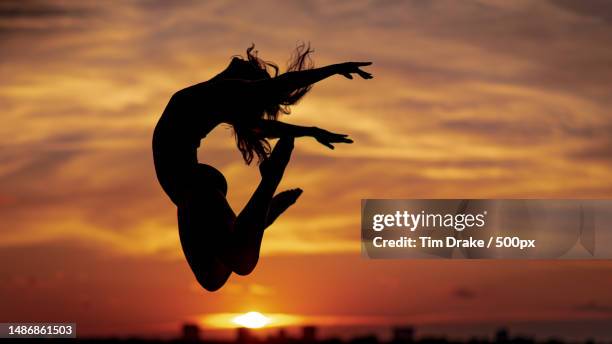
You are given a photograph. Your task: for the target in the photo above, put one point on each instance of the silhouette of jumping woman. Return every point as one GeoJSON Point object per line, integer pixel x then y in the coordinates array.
{"type": "Point", "coordinates": [216, 241]}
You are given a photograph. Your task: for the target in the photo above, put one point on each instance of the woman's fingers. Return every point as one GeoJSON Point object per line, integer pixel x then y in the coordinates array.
{"type": "Point", "coordinates": [358, 64]}
{"type": "Point", "coordinates": [327, 138]}
{"type": "Point", "coordinates": [335, 138]}
{"type": "Point", "coordinates": [361, 73]}
{"type": "Point", "coordinates": [364, 74]}
{"type": "Point", "coordinates": [349, 68]}
{"type": "Point", "coordinates": [340, 138]}
{"type": "Point", "coordinates": [325, 143]}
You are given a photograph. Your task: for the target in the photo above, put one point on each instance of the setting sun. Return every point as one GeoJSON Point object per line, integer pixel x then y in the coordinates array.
{"type": "Point", "coordinates": [252, 320]}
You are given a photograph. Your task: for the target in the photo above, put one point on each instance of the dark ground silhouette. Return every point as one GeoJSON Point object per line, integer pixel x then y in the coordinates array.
{"type": "Point", "coordinates": [309, 335]}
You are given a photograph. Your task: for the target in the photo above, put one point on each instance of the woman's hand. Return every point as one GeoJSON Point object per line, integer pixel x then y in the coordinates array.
{"type": "Point", "coordinates": [347, 68]}
{"type": "Point", "coordinates": [326, 138]}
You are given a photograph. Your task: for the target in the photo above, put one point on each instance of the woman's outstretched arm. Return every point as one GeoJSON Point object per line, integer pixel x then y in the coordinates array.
{"type": "Point", "coordinates": [273, 89]}
{"type": "Point", "coordinates": [276, 129]}
{"type": "Point", "coordinates": [273, 129]}
{"type": "Point", "coordinates": [290, 81]}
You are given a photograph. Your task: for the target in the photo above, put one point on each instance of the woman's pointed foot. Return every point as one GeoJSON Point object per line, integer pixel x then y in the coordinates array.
{"type": "Point", "coordinates": [286, 198]}
{"type": "Point", "coordinates": [281, 202]}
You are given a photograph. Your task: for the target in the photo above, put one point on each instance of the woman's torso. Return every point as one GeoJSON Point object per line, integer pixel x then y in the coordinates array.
{"type": "Point", "coordinates": [176, 138]}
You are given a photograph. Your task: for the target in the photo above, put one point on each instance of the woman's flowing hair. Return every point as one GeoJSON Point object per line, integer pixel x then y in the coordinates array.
{"type": "Point", "coordinates": [250, 142]}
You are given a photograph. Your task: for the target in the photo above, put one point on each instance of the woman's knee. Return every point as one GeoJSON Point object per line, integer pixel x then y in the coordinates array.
{"type": "Point", "coordinates": [211, 283]}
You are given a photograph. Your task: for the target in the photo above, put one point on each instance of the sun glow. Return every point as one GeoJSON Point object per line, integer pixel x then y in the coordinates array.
{"type": "Point", "coordinates": [251, 320]}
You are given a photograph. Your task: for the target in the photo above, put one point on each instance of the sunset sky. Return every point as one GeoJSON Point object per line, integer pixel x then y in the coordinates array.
{"type": "Point", "coordinates": [470, 99]}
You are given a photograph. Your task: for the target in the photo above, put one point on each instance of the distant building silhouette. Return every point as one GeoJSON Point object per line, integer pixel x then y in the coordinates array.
{"type": "Point", "coordinates": [282, 334]}
{"type": "Point", "coordinates": [244, 335]}
{"type": "Point", "coordinates": [368, 339]}
{"type": "Point", "coordinates": [191, 333]}
{"type": "Point", "coordinates": [279, 338]}
{"type": "Point", "coordinates": [403, 334]}
{"type": "Point", "coordinates": [309, 334]}
{"type": "Point", "coordinates": [502, 336]}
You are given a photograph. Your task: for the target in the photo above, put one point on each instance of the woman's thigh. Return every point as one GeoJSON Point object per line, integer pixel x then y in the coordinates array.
{"type": "Point", "coordinates": [205, 222]}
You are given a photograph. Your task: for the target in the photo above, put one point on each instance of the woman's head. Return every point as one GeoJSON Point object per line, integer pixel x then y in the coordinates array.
{"type": "Point", "coordinates": [245, 70]}
{"type": "Point", "coordinates": [249, 141]}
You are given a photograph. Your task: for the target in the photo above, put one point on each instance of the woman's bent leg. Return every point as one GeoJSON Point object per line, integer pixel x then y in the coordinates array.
{"type": "Point", "coordinates": [214, 240]}
{"type": "Point", "coordinates": [254, 218]}
{"type": "Point", "coordinates": [202, 235]}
